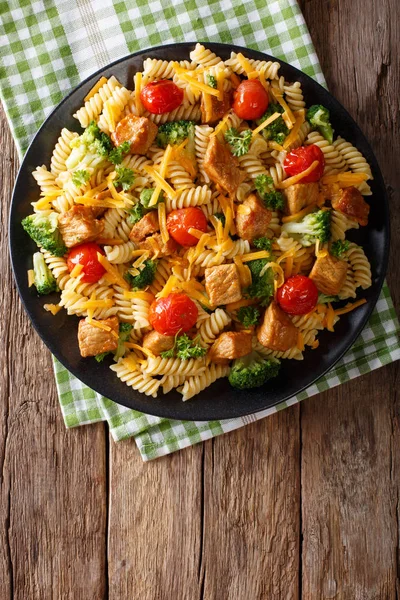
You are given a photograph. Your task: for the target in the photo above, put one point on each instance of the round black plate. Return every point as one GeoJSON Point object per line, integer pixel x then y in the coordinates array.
{"type": "Point", "coordinates": [220, 401]}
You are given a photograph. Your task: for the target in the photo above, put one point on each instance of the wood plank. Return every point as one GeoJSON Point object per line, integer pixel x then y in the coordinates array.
{"type": "Point", "coordinates": [53, 486]}
{"type": "Point", "coordinates": [350, 436]}
{"type": "Point", "coordinates": [251, 529]}
{"type": "Point", "coordinates": [154, 524]}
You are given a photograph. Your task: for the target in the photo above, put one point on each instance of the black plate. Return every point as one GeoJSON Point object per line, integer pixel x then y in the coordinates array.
{"type": "Point", "coordinates": [220, 401]}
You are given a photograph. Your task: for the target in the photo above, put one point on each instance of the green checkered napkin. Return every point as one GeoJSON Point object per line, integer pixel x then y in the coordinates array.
{"type": "Point", "coordinates": [49, 46]}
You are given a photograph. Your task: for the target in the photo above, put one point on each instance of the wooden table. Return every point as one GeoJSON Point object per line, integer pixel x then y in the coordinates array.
{"type": "Point", "coordinates": [304, 504]}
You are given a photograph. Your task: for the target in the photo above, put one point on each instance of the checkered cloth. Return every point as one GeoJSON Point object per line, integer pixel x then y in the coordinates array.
{"type": "Point", "coordinates": [49, 46]}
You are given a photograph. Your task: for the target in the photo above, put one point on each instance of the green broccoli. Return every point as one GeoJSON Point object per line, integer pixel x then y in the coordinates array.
{"type": "Point", "coordinates": [248, 315]}
{"type": "Point", "coordinates": [174, 132]}
{"type": "Point", "coordinates": [272, 199]}
{"type": "Point", "coordinates": [252, 371]}
{"type": "Point", "coordinates": [146, 195]}
{"type": "Point", "coordinates": [239, 142]}
{"type": "Point", "coordinates": [145, 277]}
{"type": "Point", "coordinates": [92, 145]}
{"type": "Point", "coordinates": [339, 247]}
{"type": "Point", "coordinates": [263, 243]}
{"type": "Point", "coordinates": [277, 130]}
{"type": "Point", "coordinates": [135, 214]}
{"type": "Point", "coordinates": [43, 230]}
{"type": "Point", "coordinates": [80, 177]}
{"type": "Point", "coordinates": [116, 154]}
{"type": "Point", "coordinates": [220, 217]}
{"type": "Point", "coordinates": [262, 286]}
{"type": "Point", "coordinates": [313, 227]}
{"type": "Point", "coordinates": [123, 336]}
{"type": "Point", "coordinates": [125, 178]}
{"type": "Point", "coordinates": [185, 348]}
{"type": "Point", "coordinates": [324, 299]}
{"type": "Point", "coordinates": [44, 280]}
{"type": "Point", "coordinates": [212, 81]}
{"type": "Point", "coordinates": [318, 116]}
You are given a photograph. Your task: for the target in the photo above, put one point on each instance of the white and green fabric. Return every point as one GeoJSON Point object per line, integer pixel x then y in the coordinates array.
{"type": "Point", "coordinates": [49, 46]}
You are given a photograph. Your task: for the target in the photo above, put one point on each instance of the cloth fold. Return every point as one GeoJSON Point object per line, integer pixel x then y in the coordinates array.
{"type": "Point", "coordinates": [49, 46]}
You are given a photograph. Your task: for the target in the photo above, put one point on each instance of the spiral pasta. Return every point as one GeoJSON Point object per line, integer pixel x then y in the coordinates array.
{"type": "Point", "coordinates": [340, 223]}
{"type": "Point", "coordinates": [212, 326]}
{"type": "Point", "coordinates": [120, 254]}
{"type": "Point", "coordinates": [195, 384]}
{"type": "Point", "coordinates": [334, 161]}
{"type": "Point", "coordinates": [359, 265]}
{"type": "Point", "coordinates": [135, 378]}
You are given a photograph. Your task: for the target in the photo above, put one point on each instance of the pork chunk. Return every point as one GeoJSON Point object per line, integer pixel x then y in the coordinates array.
{"type": "Point", "coordinates": [79, 225]}
{"type": "Point", "coordinates": [300, 195]}
{"type": "Point", "coordinates": [222, 167]}
{"type": "Point", "coordinates": [277, 331]}
{"type": "Point", "coordinates": [155, 245]}
{"type": "Point", "coordinates": [230, 345]}
{"type": "Point", "coordinates": [140, 132]}
{"type": "Point", "coordinates": [252, 218]}
{"type": "Point", "coordinates": [146, 226]}
{"type": "Point", "coordinates": [223, 284]}
{"type": "Point", "coordinates": [351, 202]}
{"type": "Point", "coordinates": [218, 108]}
{"type": "Point", "coordinates": [329, 274]}
{"type": "Point", "coordinates": [157, 343]}
{"type": "Point", "coordinates": [93, 340]}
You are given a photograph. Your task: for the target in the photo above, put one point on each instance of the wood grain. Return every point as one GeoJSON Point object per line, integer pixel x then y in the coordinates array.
{"type": "Point", "coordinates": [53, 481]}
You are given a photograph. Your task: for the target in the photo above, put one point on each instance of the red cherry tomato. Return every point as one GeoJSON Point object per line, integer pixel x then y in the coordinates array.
{"type": "Point", "coordinates": [300, 159]}
{"type": "Point", "coordinates": [298, 295]}
{"type": "Point", "coordinates": [86, 255]}
{"type": "Point", "coordinates": [176, 313]}
{"type": "Point", "coordinates": [181, 220]}
{"type": "Point", "coordinates": [161, 96]}
{"type": "Point", "coordinates": [250, 100]}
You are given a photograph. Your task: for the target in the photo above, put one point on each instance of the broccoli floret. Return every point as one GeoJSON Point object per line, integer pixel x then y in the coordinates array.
{"type": "Point", "coordinates": [125, 178]}
{"type": "Point", "coordinates": [220, 217]}
{"type": "Point", "coordinates": [277, 130]}
{"type": "Point", "coordinates": [43, 230]}
{"type": "Point", "coordinates": [318, 116]}
{"type": "Point", "coordinates": [173, 132]}
{"type": "Point", "coordinates": [116, 154]}
{"type": "Point", "coordinates": [262, 286]}
{"type": "Point", "coordinates": [313, 227]}
{"type": "Point", "coordinates": [272, 199]}
{"type": "Point", "coordinates": [145, 276]}
{"type": "Point", "coordinates": [80, 177]}
{"type": "Point", "coordinates": [324, 299]}
{"type": "Point", "coordinates": [44, 280]}
{"type": "Point", "coordinates": [339, 247]}
{"type": "Point", "coordinates": [92, 142]}
{"type": "Point", "coordinates": [248, 315]}
{"type": "Point", "coordinates": [239, 142]}
{"type": "Point", "coordinates": [263, 243]}
{"type": "Point", "coordinates": [145, 197]}
{"type": "Point", "coordinates": [212, 81]}
{"type": "Point", "coordinates": [185, 348]}
{"type": "Point", "coordinates": [100, 357]}
{"type": "Point", "coordinates": [135, 214]}
{"type": "Point", "coordinates": [123, 336]}
{"type": "Point", "coordinates": [252, 371]}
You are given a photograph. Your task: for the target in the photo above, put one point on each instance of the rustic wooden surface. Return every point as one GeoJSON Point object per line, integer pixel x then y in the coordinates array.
{"type": "Point", "coordinates": [303, 505]}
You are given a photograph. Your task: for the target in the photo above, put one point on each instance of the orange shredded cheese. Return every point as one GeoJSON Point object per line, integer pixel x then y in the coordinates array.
{"type": "Point", "coordinates": [300, 341]}
{"type": "Point", "coordinates": [110, 241]}
{"type": "Point", "coordinates": [99, 325]}
{"type": "Point", "coordinates": [112, 271]}
{"type": "Point", "coordinates": [244, 63]}
{"type": "Point", "coordinates": [346, 179]}
{"type": "Point", "coordinates": [147, 296]}
{"type": "Point", "coordinates": [299, 215]}
{"type": "Point", "coordinates": [244, 272]}
{"type": "Point", "coordinates": [300, 118]}
{"type": "Point", "coordinates": [232, 306]}
{"type": "Point", "coordinates": [171, 193]}
{"type": "Point", "coordinates": [349, 307]}
{"type": "Point", "coordinates": [265, 123]}
{"type": "Point", "coordinates": [296, 178]}
{"type": "Point", "coordinates": [76, 271]}
{"type": "Point", "coordinates": [53, 308]}
{"type": "Point", "coordinates": [138, 86]}
{"type": "Point", "coordinates": [235, 80]}
{"type": "Point", "coordinates": [171, 283]}
{"type": "Point", "coordinates": [145, 351]}
{"type": "Point", "coordinates": [162, 220]}
{"type": "Point", "coordinates": [256, 255]}
{"type": "Point", "coordinates": [95, 88]}
{"type": "Point", "coordinates": [31, 277]}
{"type": "Point", "coordinates": [330, 317]}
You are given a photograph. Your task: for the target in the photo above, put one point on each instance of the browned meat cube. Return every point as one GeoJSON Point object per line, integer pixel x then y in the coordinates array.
{"type": "Point", "coordinates": [157, 343]}
{"type": "Point", "coordinates": [300, 195]}
{"type": "Point", "coordinates": [156, 246]}
{"type": "Point", "coordinates": [252, 218]}
{"type": "Point", "coordinates": [222, 167]}
{"type": "Point", "coordinates": [329, 274]}
{"type": "Point", "coordinates": [79, 225]}
{"type": "Point", "coordinates": [230, 345]}
{"type": "Point", "coordinates": [351, 202]}
{"type": "Point", "coordinates": [218, 108]}
{"type": "Point", "coordinates": [146, 226]}
{"type": "Point", "coordinates": [223, 284]}
{"type": "Point", "coordinates": [93, 340]}
{"type": "Point", "coordinates": [140, 132]}
{"type": "Point", "coordinates": [277, 331]}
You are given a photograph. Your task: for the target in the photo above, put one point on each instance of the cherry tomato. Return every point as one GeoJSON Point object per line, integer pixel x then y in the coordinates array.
{"type": "Point", "coordinates": [86, 255]}
{"type": "Point", "coordinates": [181, 220]}
{"type": "Point", "coordinates": [300, 159]}
{"type": "Point", "coordinates": [176, 313]}
{"type": "Point", "coordinates": [298, 295]}
{"type": "Point", "coordinates": [161, 96]}
{"type": "Point", "coordinates": [250, 100]}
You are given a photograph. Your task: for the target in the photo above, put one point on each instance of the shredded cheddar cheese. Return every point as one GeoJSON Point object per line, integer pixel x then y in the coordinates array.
{"type": "Point", "coordinates": [112, 271]}
{"type": "Point", "coordinates": [53, 308]}
{"type": "Point", "coordinates": [296, 178]}
{"type": "Point", "coordinates": [162, 220]}
{"type": "Point", "coordinates": [95, 88]}
{"type": "Point", "coordinates": [299, 215]}
{"type": "Point", "coordinates": [76, 271]}
{"type": "Point", "coordinates": [349, 307]}
{"type": "Point", "coordinates": [265, 123]}
{"type": "Point", "coordinates": [31, 277]}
